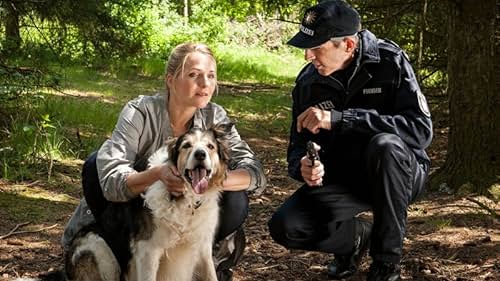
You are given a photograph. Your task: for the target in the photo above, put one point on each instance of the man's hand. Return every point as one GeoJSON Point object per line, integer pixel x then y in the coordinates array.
{"type": "Point", "coordinates": [171, 178]}
{"type": "Point", "coordinates": [312, 171]}
{"type": "Point", "coordinates": [314, 119]}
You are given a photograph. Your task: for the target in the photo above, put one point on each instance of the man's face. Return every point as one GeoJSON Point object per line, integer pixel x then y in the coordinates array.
{"type": "Point", "coordinates": [329, 56]}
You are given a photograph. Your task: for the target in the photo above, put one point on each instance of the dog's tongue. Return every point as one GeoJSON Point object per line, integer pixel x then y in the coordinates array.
{"type": "Point", "coordinates": [200, 183]}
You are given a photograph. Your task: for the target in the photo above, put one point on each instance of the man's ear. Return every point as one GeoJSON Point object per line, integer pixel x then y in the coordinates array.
{"type": "Point", "coordinates": [350, 44]}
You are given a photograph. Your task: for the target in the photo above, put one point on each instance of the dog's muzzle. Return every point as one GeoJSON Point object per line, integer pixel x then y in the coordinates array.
{"type": "Point", "coordinates": [200, 174]}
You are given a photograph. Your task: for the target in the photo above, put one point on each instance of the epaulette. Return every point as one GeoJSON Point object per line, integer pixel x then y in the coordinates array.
{"type": "Point", "coordinates": [393, 47]}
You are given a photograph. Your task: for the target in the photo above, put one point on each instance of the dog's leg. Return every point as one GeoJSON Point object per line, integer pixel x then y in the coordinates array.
{"type": "Point", "coordinates": [206, 268]}
{"type": "Point", "coordinates": [179, 264]}
{"type": "Point", "coordinates": [147, 261]}
{"type": "Point", "coordinates": [91, 259]}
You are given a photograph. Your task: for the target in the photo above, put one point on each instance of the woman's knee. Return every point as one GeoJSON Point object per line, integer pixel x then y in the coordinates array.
{"type": "Point", "coordinates": [233, 212]}
{"type": "Point", "coordinates": [89, 168]}
{"type": "Point", "coordinates": [91, 187]}
{"type": "Point", "coordinates": [234, 204]}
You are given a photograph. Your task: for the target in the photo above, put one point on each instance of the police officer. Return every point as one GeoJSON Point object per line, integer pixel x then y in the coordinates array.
{"type": "Point", "coordinates": [359, 101]}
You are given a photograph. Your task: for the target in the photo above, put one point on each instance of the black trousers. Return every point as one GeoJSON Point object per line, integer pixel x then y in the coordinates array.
{"type": "Point", "coordinates": [233, 212]}
{"type": "Point", "coordinates": [385, 178]}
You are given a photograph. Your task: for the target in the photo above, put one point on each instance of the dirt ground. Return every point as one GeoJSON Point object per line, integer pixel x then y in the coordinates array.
{"type": "Point", "coordinates": [448, 238]}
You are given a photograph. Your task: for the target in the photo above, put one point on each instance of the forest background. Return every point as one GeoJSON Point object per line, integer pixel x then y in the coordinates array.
{"type": "Point", "coordinates": [67, 68]}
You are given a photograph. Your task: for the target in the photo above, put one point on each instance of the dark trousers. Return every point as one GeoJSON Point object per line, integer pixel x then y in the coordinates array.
{"type": "Point", "coordinates": [233, 212]}
{"type": "Point", "coordinates": [385, 178]}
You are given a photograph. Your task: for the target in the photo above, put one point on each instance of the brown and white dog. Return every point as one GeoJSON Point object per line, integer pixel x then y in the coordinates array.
{"type": "Point", "coordinates": [159, 236]}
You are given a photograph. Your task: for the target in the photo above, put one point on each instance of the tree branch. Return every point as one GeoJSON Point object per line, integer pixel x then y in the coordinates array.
{"type": "Point", "coordinates": [14, 232]}
{"type": "Point", "coordinates": [483, 206]}
{"type": "Point", "coordinates": [14, 229]}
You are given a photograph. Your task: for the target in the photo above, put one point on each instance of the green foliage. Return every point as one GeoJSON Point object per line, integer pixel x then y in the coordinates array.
{"type": "Point", "coordinates": [26, 137]}
{"type": "Point", "coordinates": [402, 22]}
{"type": "Point", "coordinates": [440, 223]}
{"type": "Point", "coordinates": [22, 84]}
{"type": "Point", "coordinates": [74, 120]}
{"type": "Point", "coordinates": [103, 53]}
{"type": "Point", "coordinates": [97, 29]}
{"type": "Point", "coordinates": [26, 204]}
{"type": "Point", "coordinates": [260, 112]}
{"type": "Point", "coordinates": [240, 10]}
{"type": "Point", "coordinates": [30, 142]}
{"type": "Point", "coordinates": [241, 64]}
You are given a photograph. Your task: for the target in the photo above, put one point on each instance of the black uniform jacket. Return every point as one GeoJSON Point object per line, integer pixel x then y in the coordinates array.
{"type": "Point", "coordinates": [377, 93]}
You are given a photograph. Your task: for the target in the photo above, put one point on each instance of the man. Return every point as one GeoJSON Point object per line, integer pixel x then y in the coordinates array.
{"type": "Point", "coordinates": [359, 101]}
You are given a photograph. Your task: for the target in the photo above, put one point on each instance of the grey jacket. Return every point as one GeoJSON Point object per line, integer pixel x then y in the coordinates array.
{"type": "Point", "coordinates": [142, 128]}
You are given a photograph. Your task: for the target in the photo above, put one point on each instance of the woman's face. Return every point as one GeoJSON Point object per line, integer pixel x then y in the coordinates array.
{"type": "Point", "coordinates": [195, 85]}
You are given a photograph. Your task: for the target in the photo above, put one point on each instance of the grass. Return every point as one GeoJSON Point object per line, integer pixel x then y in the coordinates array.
{"type": "Point", "coordinates": [241, 64]}
{"type": "Point", "coordinates": [259, 113]}
{"type": "Point", "coordinates": [83, 112]}
{"type": "Point", "coordinates": [34, 205]}
{"type": "Point", "coordinates": [440, 223]}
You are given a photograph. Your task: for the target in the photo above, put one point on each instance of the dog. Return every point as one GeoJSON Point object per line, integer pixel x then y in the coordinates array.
{"type": "Point", "coordinates": [159, 236]}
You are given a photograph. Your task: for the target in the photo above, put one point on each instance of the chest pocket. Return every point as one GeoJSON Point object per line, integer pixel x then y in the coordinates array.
{"type": "Point", "coordinates": [322, 96]}
{"type": "Point", "coordinates": [373, 96]}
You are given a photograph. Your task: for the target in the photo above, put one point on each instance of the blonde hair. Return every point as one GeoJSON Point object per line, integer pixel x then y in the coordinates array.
{"type": "Point", "coordinates": [179, 55]}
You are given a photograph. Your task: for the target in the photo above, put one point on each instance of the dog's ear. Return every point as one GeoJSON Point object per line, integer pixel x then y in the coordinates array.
{"type": "Point", "coordinates": [173, 151]}
{"type": "Point", "coordinates": [222, 129]}
{"type": "Point", "coordinates": [220, 132]}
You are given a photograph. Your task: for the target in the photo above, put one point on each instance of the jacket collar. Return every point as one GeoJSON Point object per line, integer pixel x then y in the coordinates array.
{"type": "Point", "coordinates": [369, 47]}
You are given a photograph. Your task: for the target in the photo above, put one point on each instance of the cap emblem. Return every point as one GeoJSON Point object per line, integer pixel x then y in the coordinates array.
{"type": "Point", "coordinates": [309, 17]}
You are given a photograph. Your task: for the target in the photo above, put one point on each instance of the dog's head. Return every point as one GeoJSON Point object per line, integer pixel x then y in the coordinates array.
{"type": "Point", "coordinates": [201, 156]}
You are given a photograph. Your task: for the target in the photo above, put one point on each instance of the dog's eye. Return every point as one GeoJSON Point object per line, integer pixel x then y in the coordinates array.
{"type": "Point", "coordinates": [186, 145]}
{"type": "Point", "coordinates": [210, 146]}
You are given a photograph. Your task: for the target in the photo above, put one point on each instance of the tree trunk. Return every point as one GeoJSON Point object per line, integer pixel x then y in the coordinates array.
{"type": "Point", "coordinates": [12, 34]}
{"type": "Point", "coordinates": [472, 156]}
{"type": "Point", "coordinates": [423, 26]}
{"type": "Point", "coordinates": [186, 9]}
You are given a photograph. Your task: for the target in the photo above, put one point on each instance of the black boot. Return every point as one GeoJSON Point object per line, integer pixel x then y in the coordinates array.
{"type": "Point", "coordinates": [346, 265]}
{"type": "Point", "coordinates": [228, 253]}
{"type": "Point", "coordinates": [380, 271]}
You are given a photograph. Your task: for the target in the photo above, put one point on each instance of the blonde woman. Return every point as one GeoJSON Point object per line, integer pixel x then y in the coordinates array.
{"type": "Point", "coordinates": [116, 172]}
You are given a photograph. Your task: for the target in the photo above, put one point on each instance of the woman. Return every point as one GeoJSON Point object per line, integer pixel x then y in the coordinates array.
{"type": "Point", "coordinates": [117, 171]}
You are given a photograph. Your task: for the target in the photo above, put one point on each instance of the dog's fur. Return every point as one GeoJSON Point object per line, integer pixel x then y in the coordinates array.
{"type": "Point", "coordinates": [159, 236]}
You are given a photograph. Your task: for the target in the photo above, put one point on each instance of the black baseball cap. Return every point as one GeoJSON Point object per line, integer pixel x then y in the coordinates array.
{"type": "Point", "coordinates": [326, 20]}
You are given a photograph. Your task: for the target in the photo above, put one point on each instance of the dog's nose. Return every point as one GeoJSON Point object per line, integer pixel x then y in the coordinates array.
{"type": "Point", "coordinates": [200, 155]}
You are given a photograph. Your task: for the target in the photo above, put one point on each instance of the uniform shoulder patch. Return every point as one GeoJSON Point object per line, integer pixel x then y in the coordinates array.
{"type": "Point", "coordinates": [422, 104]}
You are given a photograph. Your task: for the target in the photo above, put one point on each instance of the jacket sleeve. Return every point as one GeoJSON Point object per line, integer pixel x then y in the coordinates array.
{"type": "Point", "coordinates": [117, 155]}
{"type": "Point", "coordinates": [411, 120]}
{"type": "Point", "coordinates": [297, 143]}
{"type": "Point", "coordinates": [242, 157]}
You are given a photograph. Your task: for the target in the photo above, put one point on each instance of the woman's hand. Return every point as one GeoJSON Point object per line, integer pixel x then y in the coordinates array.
{"type": "Point", "coordinates": [313, 175]}
{"type": "Point", "coordinates": [171, 178]}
